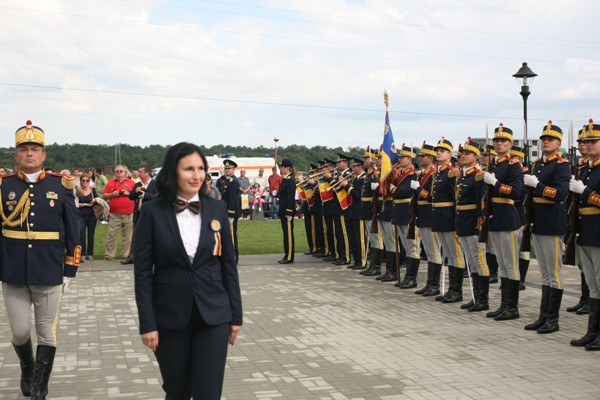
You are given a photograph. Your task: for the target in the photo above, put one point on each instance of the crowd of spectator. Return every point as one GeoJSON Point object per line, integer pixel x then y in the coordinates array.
{"type": "Point", "coordinates": [118, 201]}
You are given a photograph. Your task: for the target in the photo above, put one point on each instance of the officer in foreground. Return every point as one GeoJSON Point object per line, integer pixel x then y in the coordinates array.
{"type": "Point", "coordinates": [36, 209]}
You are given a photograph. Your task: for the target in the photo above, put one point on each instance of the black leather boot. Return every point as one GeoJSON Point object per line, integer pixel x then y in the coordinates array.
{"type": "Point", "coordinates": [471, 303]}
{"type": "Point", "coordinates": [503, 298]}
{"type": "Point", "coordinates": [375, 263]}
{"type": "Point", "coordinates": [391, 268]}
{"type": "Point", "coordinates": [511, 311]}
{"type": "Point", "coordinates": [434, 288]}
{"type": "Point", "coordinates": [534, 326]}
{"type": "Point", "coordinates": [25, 353]}
{"type": "Point", "coordinates": [523, 268]}
{"type": "Point", "coordinates": [551, 324]}
{"type": "Point", "coordinates": [585, 294]}
{"type": "Point", "coordinates": [410, 278]}
{"type": "Point", "coordinates": [492, 263]}
{"type": "Point", "coordinates": [44, 359]}
{"type": "Point", "coordinates": [593, 325]}
{"type": "Point", "coordinates": [482, 301]}
{"type": "Point", "coordinates": [456, 294]}
{"type": "Point", "coordinates": [451, 273]}
{"type": "Point", "coordinates": [428, 284]}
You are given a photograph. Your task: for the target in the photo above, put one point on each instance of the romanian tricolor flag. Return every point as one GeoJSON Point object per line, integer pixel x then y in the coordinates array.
{"type": "Point", "coordinates": [388, 154]}
{"type": "Point", "coordinates": [344, 198]}
{"type": "Point", "coordinates": [324, 190]}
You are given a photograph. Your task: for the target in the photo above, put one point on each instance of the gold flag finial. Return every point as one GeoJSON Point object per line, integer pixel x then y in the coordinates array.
{"type": "Point", "coordinates": [385, 99]}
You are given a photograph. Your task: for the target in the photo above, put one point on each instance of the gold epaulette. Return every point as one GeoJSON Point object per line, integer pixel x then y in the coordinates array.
{"type": "Point", "coordinates": [454, 172]}
{"type": "Point", "coordinates": [479, 176]}
{"type": "Point", "coordinates": [514, 162]}
{"type": "Point", "coordinates": [562, 160]}
{"type": "Point", "coordinates": [68, 181]}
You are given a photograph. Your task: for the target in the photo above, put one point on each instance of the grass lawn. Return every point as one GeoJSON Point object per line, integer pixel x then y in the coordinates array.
{"type": "Point", "coordinates": [255, 237]}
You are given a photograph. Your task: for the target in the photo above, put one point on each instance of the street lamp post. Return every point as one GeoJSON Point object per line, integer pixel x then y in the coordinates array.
{"type": "Point", "coordinates": [522, 75]}
{"type": "Point", "coordinates": [276, 139]}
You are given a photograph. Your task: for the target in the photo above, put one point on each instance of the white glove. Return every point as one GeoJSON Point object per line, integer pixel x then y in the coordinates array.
{"type": "Point", "coordinates": [576, 186]}
{"type": "Point", "coordinates": [230, 220]}
{"type": "Point", "coordinates": [274, 192]}
{"type": "Point", "coordinates": [374, 185]}
{"type": "Point", "coordinates": [414, 185]}
{"type": "Point", "coordinates": [490, 178]}
{"type": "Point", "coordinates": [392, 187]}
{"type": "Point", "coordinates": [288, 217]}
{"type": "Point", "coordinates": [66, 280]}
{"type": "Point", "coordinates": [531, 180]}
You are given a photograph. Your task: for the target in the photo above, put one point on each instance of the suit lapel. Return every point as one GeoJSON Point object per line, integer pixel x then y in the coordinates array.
{"type": "Point", "coordinates": [174, 228]}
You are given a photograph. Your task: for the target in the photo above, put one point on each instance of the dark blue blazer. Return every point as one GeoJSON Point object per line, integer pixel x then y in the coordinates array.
{"type": "Point", "coordinates": [167, 284]}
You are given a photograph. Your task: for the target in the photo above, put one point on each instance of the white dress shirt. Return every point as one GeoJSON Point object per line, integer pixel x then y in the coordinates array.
{"type": "Point", "coordinates": [189, 228]}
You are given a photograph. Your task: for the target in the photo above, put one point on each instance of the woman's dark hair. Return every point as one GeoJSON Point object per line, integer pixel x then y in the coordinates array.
{"type": "Point", "coordinates": [166, 182]}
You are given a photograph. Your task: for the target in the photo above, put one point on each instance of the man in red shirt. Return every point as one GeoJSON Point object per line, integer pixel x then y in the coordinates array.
{"type": "Point", "coordinates": [116, 192]}
{"type": "Point", "coordinates": [274, 183]}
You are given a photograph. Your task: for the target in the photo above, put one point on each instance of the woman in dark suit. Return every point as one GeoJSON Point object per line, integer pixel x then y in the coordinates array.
{"type": "Point", "coordinates": [186, 282]}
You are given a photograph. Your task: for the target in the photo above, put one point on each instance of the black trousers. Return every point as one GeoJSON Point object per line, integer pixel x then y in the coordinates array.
{"type": "Point", "coordinates": [341, 238]}
{"type": "Point", "coordinates": [288, 238]}
{"type": "Point", "coordinates": [359, 242]}
{"type": "Point", "coordinates": [235, 239]}
{"type": "Point", "coordinates": [317, 224]}
{"type": "Point", "coordinates": [192, 359]}
{"type": "Point", "coordinates": [329, 236]}
{"type": "Point", "coordinates": [309, 227]}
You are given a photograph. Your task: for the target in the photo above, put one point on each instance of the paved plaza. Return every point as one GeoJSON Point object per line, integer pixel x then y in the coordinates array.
{"type": "Point", "coordinates": [315, 331]}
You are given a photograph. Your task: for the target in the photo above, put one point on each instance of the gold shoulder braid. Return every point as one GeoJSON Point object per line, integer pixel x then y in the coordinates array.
{"type": "Point", "coordinates": [17, 216]}
{"type": "Point", "coordinates": [68, 182]}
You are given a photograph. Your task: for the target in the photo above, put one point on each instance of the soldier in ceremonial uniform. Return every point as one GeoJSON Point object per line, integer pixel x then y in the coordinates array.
{"type": "Point", "coordinates": [229, 187]}
{"type": "Point", "coordinates": [517, 154]}
{"type": "Point", "coordinates": [403, 196]}
{"type": "Point", "coordinates": [287, 209]}
{"type": "Point", "coordinates": [469, 197]}
{"type": "Point", "coordinates": [582, 306]}
{"type": "Point", "coordinates": [430, 242]}
{"type": "Point", "coordinates": [490, 257]}
{"type": "Point", "coordinates": [340, 220]}
{"type": "Point", "coordinates": [385, 228]}
{"type": "Point", "coordinates": [330, 207]}
{"type": "Point", "coordinates": [317, 215]}
{"type": "Point", "coordinates": [505, 180]}
{"type": "Point", "coordinates": [356, 224]}
{"type": "Point", "coordinates": [41, 252]}
{"type": "Point", "coordinates": [369, 206]}
{"type": "Point", "coordinates": [307, 209]}
{"type": "Point", "coordinates": [588, 242]}
{"type": "Point", "coordinates": [442, 220]}
{"type": "Point", "coordinates": [550, 183]}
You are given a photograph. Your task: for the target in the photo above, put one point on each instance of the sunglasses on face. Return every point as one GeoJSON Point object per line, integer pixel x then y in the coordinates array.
{"type": "Point", "coordinates": [85, 180]}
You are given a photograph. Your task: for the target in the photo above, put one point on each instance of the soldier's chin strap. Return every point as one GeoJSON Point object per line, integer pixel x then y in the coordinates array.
{"type": "Point", "coordinates": [19, 214]}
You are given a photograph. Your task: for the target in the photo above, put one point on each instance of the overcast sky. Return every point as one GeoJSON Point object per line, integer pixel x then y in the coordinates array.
{"type": "Point", "coordinates": [310, 72]}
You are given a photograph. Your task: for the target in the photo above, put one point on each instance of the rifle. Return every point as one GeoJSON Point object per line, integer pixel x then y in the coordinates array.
{"type": "Point", "coordinates": [573, 211]}
{"type": "Point", "coordinates": [487, 207]}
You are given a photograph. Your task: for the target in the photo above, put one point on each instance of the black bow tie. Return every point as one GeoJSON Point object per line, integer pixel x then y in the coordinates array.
{"type": "Point", "coordinates": [193, 206]}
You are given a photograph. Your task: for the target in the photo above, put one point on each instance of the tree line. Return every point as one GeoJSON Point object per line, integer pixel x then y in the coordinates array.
{"type": "Point", "coordinates": [84, 156]}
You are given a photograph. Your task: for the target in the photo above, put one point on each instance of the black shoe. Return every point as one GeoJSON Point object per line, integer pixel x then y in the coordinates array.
{"type": "Point", "coordinates": [390, 278]}
{"type": "Point", "coordinates": [127, 261]}
{"type": "Point", "coordinates": [409, 283]}
{"type": "Point", "coordinates": [545, 301]}
{"type": "Point", "coordinates": [341, 261]}
{"type": "Point", "coordinates": [285, 262]}
{"type": "Point", "coordinates": [328, 259]}
{"type": "Point", "coordinates": [25, 353]}
{"type": "Point", "coordinates": [318, 255]}
{"type": "Point", "coordinates": [507, 314]}
{"type": "Point", "coordinates": [454, 297]}
{"type": "Point", "coordinates": [595, 345]}
{"type": "Point", "coordinates": [468, 305]}
{"type": "Point", "coordinates": [309, 252]}
{"type": "Point", "coordinates": [374, 272]}
{"type": "Point", "coordinates": [584, 310]}
{"type": "Point", "coordinates": [479, 306]}
{"type": "Point", "coordinates": [493, 278]}
{"type": "Point", "coordinates": [521, 286]}
{"type": "Point", "coordinates": [432, 291]}
{"type": "Point", "coordinates": [551, 324]}
{"type": "Point", "coordinates": [380, 277]}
